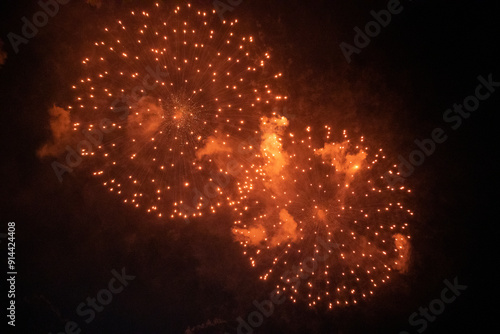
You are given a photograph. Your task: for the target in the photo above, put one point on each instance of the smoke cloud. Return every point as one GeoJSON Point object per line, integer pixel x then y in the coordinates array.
{"type": "Point", "coordinates": [287, 229]}
{"type": "Point", "coordinates": [404, 248]}
{"type": "Point", "coordinates": [255, 235]}
{"type": "Point", "coordinates": [214, 145]}
{"type": "Point", "coordinates": [339, 156]}
{"type": "Point", "coordinates": [272, 147]}
{"type": "Point", "coordinates": [60, 125]}
{"type": "Point", "coordinates": [258, 235]}
{"type": "Point", "coordinates": [281, 224]}
{"type": "Point", "coordinates": [145, 119]}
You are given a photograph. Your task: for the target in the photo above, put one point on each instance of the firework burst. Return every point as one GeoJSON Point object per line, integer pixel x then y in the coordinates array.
{"type": "Point", "coordinates": [317, 217]}
{"type": "Point", "coordinates": [178, 98]}
{"type": "Point", "coordinates": [172, 90]}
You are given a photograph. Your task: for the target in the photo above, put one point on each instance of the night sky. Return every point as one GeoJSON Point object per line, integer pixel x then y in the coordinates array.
{"type": "Point", "coordinates": [73, 237]}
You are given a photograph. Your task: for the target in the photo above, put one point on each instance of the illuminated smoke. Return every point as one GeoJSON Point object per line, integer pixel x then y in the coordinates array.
{"type": "Point", "coordinates": [60, 126]}
{"type": "Point", "coordinates": [214, 145]}
{"type": "Point", "coordinates": [272, 147]}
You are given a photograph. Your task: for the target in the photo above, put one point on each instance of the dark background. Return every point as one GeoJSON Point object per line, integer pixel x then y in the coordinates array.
{"type": "Point", "coordinates": [69, 236]}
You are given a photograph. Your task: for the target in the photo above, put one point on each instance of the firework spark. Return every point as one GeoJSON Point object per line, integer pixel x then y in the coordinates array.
{"type": "Point", "coordinates": [174, 92]}
{"type": "Point", "coordinates": [320, 218]}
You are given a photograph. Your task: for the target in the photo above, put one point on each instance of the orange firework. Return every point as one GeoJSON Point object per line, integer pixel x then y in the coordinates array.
{"type": "Point", "coordinates": [319, 216]}
{"type": "Point", "coordinates": [164, 89]}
